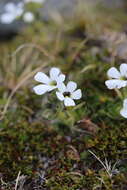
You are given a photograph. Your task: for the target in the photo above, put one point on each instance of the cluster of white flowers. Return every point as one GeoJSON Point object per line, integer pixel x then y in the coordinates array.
{"type": "Point", "coordinates": [55, 81]}
{"type": "Point", "coordinates": [118, 79]}
{"type": "Point", "coordinates": [14, 10]}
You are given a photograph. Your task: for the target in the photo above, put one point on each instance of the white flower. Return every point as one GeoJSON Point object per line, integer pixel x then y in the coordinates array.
{"type": "Point", "coordinates": [28, 17]}
{"type": "Point", "coordinates": [123, 111]}
{"type": "Point", "coordinates": [49, 83]}
{"type": "Point", "coordinates": [7, 18]}
{"type": "Point", "coordinates": [119, 78]}
{"type": "Point", "coordinates": [14, 9]}
{"type": "Point", "coordinates": [68, 93]}
{"type": "Point", "coordinates": [11, 12]}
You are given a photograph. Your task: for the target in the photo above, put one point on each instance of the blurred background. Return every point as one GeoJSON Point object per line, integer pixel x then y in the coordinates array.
{"type": "Point", "coordinates": [15, 14]}
{"type": "Point", "coordinates": [36, 22]}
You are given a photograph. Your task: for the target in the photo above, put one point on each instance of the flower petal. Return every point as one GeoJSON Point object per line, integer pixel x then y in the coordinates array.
{"type": "Point", "coordinates": [61, 78]}
{"type": "Point", "coordinates": [123, 69]}
{"type": "Point", "coordinates": [76, 95]}
{"type": "Point", "coordinates": [50, 88]}
{"type": "Point", "coordinates": [69, 102]}
{"type": "Point", "coordinates": [123, 112]}
{"type": "Point", "coordinates": [28, 17]}
{"type": "Point", "coordinates": [41, 89]}
{"type": "Point", "coordinates": [113, 73]}
{"type": "Point", "coordinates": [60, 96]}
{"type": "Point", "coordinates": [7, 18]}
{"type": "Point", "coordinates": [125, 103]}
{"type": "Point", "coordinates": [114, 83]}
{"type": "Point", "coordinates": [61, 87]}
{"type": "Point", "coordinates": [54, 72]}
{"type": "Point", "coordinates": [42, 77]}
{"type": "Point", "coordinates": [9, 7]}
{"type": "Point", "coordinates": [71, 86]}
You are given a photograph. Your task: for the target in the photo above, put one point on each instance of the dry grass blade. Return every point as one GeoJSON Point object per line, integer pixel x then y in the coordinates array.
{"type": "Point", "coordinates": [17, 180]}
{"type": "Point", "coordinates": [107, 165]}
{"type": "Point", "coordinates": [17, 87]}
{"type": "Point", "coordinates": [41, 49]}
{"type": "Point", "coordinates": [88, 67]}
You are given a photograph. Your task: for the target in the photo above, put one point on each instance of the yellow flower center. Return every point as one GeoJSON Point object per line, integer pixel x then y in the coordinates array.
{"type": "Point", "coordinates": [122, 78]}
{"type": "Point", "coordinates": [53, 83]}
